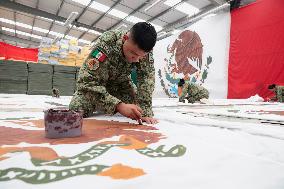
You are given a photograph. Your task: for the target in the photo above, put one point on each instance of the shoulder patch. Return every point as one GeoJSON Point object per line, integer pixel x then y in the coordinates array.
{"type": "Point", "coordinates": [99, 55]}
{"type": "Point", "coordinates": [93, 64]}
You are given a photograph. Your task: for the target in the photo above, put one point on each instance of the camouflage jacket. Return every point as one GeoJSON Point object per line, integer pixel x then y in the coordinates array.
{"type": "Point", "coordinates": [115, 70]}
{"type": "Point", "coordinates": [279, 93]}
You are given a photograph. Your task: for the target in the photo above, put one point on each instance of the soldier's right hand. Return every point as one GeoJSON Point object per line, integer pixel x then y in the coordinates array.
{"type": "Point", "coordinates": [131, 111]}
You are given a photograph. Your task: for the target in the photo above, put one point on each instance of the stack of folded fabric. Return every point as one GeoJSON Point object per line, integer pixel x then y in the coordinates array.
{"type": "Point", "coordinates": [64, 79]}
{"type": "Point", "coordinates": [13, 77]}
{"type": "Point", "coordinates": [40, 79]}
{"type": "Point", "coordinates": [44, 53]}
{"type": "Point", "coordinates": [63, 52]}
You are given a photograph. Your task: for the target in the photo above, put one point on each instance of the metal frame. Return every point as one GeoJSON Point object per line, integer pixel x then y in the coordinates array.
{"type": "Point", "coordinates": [78, 17]}
{"type": "Point", "coordinates": [131, 13]}
{"type": "Point", "coordinates": [217, 2]}
{"type": "Point", "coordinates": [30, 10]}
{"type": "Point", "coordinates": [192, 19]}
{"type": "Point", "coordinates": [37, 3]}
{"type": "Point", "coordinates": [96, 21]}
{"type": "Point", "coordinates": [57, 12]}
{"type": "Point", "coordinates": [170, 26]}
{"type": "Point", "coordinates": [181, 22]}
{"type": "Point", "coordinates": [15, 27]}
{"type": "Point", "coordinates": [18, 39]}
{"type": "Point", "coordinates": [165, 11]}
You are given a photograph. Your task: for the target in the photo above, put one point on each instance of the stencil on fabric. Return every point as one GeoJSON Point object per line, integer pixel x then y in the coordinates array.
{"type": "Point", "coordinates": [132, 137]}
{"type": "Point", "coordinates": [263, 112]}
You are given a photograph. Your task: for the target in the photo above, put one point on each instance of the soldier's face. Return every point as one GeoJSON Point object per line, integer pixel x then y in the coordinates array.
{"type": "Point", "coordinates": [132, 52]}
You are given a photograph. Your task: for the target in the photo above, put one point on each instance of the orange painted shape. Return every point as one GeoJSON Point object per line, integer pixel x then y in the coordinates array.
{"type": "Point", "coordinates": [134, 143]}
{"type": "Point", "coordinates": [119, 171]}
{"type": "Point", "coordinates": [42, 153]}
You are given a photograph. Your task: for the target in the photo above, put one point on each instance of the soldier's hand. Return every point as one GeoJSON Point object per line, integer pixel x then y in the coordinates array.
{"type": "Point", "coordinates": [150, 120]}
{"type": "Point", "coordinates": [131, 111]}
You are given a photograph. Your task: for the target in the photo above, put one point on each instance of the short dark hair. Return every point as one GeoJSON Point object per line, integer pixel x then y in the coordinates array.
{"type": "Point", "coordinates": [144, 35]}
{"type": "Point", "coordinates": [271, 86]}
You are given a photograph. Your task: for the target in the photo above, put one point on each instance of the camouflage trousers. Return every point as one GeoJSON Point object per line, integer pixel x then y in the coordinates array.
{"type": "Point", "coordinates": [90, 103]}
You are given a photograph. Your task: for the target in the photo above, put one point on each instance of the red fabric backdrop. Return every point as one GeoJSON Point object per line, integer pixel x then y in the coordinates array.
{"type": "Point", "coordinates": [10, 52]}
{"type": "Point", "coordinates": [256, 56]}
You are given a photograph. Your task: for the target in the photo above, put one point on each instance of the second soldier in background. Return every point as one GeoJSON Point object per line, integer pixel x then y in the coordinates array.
{"type": "Point", "coordinates": [191, 91]}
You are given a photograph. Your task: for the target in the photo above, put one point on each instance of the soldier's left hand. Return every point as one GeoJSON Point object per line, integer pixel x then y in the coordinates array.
{"type": "Point", "coordinates": [150, 120]}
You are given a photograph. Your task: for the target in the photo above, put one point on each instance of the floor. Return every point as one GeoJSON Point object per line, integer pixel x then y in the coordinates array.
{"type": "Point", "coordinates": [218, 144]}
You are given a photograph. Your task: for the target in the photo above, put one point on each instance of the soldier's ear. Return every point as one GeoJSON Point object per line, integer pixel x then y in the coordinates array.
{"type": "Point", "coordinates": [125, 37]}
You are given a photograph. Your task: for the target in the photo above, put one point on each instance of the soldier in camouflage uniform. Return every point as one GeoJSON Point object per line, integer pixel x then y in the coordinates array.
{"type": "Point", "coordinates": [279, 92]}
{"type": "Point", "coordinates": [193, 93]}
{"type": "Point", "coordinates": [104, 81]}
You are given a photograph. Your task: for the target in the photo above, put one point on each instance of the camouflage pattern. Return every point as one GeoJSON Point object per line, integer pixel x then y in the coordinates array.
{"type": "Point", "coordinates": [62, 123]}
{"type": "Point", "coordinates": [193, 93]}
{"type": "Point", "coordinates": [101, 85]}
{"type": "Point", "coordinates": [279, 93]}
